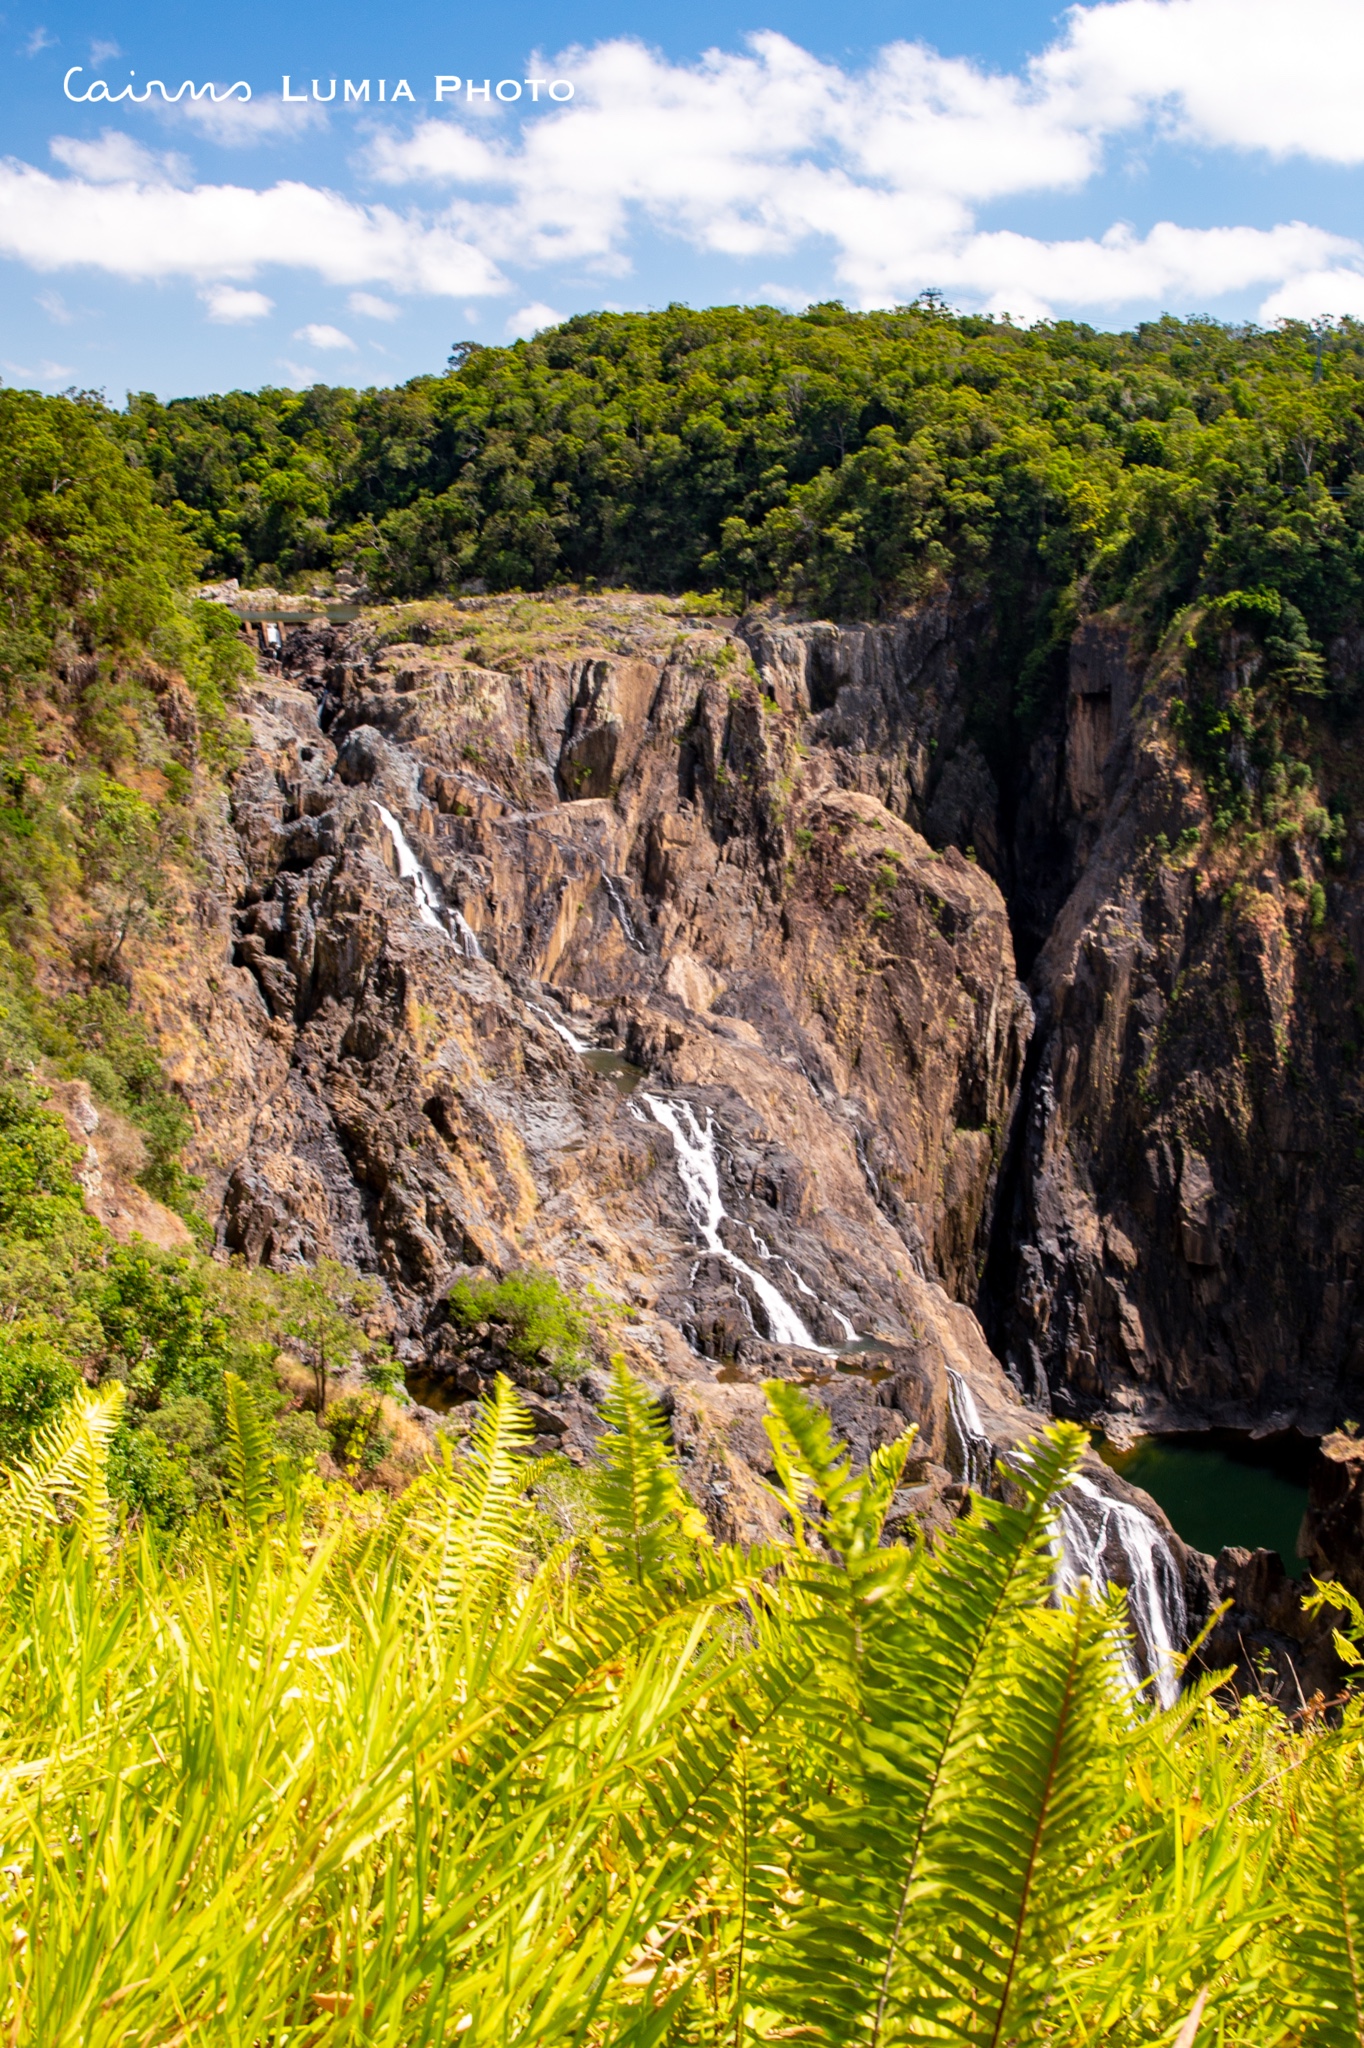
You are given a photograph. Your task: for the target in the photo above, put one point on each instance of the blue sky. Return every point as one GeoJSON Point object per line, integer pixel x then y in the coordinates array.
{"type": "Point", "coordinates": [1109, 162]}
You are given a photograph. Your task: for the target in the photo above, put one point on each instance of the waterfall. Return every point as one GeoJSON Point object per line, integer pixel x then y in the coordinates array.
{"type": "Point", "coordinates": [411, 870]}
{"type": "Point", "coordinates": [569, 1037]}
{"type": "Point", "coordinates": [429, 907]}
{"type": "Point", "coordinates": [975, 1451]}
{"type": "Point", "coordinates": [699, 1172]}
{"type": "Point", "coordinates": [1096, 1532]}
{"type": "Point", "coordinates": [612, 888]}
{"type": "Point", "coordinates": [467, 939]}
{"type": "Point", "coordinates": [765, 1252]}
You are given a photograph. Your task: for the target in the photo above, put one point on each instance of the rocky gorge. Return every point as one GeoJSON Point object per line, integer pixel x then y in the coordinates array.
{"type": "Point", "coordinates": [703, 962]}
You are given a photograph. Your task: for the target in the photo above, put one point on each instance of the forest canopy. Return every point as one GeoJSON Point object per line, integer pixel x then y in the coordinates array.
{"type": "Point", "coordinates": [849, 462]}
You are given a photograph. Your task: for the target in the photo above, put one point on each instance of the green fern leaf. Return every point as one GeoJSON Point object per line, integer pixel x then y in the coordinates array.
{"type": "Point", "coordinates": [931, 1655]}
{"type": "Point", "coordinates": [250, 1465]}
{"type": "Point", "coordinates": [809, 1462]}
{"type": "Point", "coordinates": [648, 1522]}
{"type": "Point", "coordinates": [1324, 1883]}
{"type": "Point", "coordinates": [66, 1469]}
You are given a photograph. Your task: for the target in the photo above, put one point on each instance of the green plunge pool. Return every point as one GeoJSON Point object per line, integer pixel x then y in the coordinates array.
{"type": "Point", "coordinates": [1221, 1486]}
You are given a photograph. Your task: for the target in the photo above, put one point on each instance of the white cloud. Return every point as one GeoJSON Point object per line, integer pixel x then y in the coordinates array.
{"type": "Point", "coordinates": [300, 374]}
{"type": "Point", "coordinates": [1303, 298]}
{"type": "Point", "coordinates": [531, 319]}
{"type": "Point", "coordinates": [318, 335]}
{"type": "Point", "coordinates": [101, 52]}
{"type": "Point", "coordinates": [136, 229]}
{"type": "Point", "coordinates": [1254, 74]}
{"type": "Point", "coordinates": [768, 151]}
{"type": "Point", "coordinates": [241, 124]}
{"type": "Point", "coordinates": [38, 40]}
{"type": "Point", "coordinates": [116, 157]}
{"type": "Point", "coordinates": [762, 152]}
{"type": "Point", "coordinates": [232, 306]}
{"type": "Point", "coordinates": [56, 308]}
{"type": "Point", "coordinates": [371, 308]}
{"type": "Point", "coordinates": [46, 373]}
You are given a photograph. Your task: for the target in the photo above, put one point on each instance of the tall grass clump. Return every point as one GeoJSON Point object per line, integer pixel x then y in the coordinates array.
{"type": "Point", "coordinates": [343, 1769]}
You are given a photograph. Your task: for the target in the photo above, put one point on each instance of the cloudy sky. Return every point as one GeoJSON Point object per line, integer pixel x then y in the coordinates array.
{"type": "Point", "coordinates": [1111, 161]}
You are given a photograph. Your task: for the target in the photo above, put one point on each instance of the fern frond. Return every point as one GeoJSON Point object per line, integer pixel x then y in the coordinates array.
{"type": "Point", "coordinates": [1323, 1883]}
{"type": "Point", "coordinates": [932, 1657]}
{"type": "Point", "coordinates": [67, 1467]}
{"type": "Point", "coordinates": [885, 1469]}
{"type": "Point", "coordinates": [1330, 1593]}
{"type": "Point", "coordinates": [465, 1522]}
{"type": "Point", "coordinates": [250, 1464]}
{"type": "Point", "coordinates": [647, 1519]}
{"type": "Point", "coordinates": [810, 1462]}
{"type": "Point", "coordinates": [1018, 1804]}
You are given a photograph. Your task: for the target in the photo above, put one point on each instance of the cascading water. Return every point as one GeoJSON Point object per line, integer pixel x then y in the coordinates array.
{"type": "Point", "coordinates": [975, 1452]}
{"type": "Point", "coordinates": [1111, 1541]}
{"type": "Point", "coordinates": [570, 1038]}
{"type": "Point", "coordinates": [429, 907]}
{"type": "Point", "coordinates": [465, 933]}
{"type": "Point", "coordinates": [411, 870]}
{"type": "Point", "coordinates": [699, 1172]}
{"type": "Point", "coordinates": [618, 904]}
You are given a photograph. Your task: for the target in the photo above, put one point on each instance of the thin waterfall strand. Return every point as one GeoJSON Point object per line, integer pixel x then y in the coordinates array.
{"type": "Point", "coordinates": [429, 907]}
{"type": "Point", "coordinates": [411, 870]}
{"type": "Point", "coordinates": [569, 1037]}
{"type": "Point", "coordinates": [618, 904]}
{"type": "Point", "coordinates": [699, 1172]}
{"type": "Point", "coordinates": [975, 1451]}
{"type": "Point", "coordinates": [465, 933]}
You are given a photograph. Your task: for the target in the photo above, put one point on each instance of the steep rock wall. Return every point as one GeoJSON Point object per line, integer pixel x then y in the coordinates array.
{"type": "Point", "coordinates": [768, 864]}
{"type": "Point", "coordinates": [1181, 1231]}
{"type": "Point", "coordinates": [653, 847]}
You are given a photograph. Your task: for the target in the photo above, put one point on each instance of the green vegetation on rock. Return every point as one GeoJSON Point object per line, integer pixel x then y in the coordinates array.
{"type": "Point", "coordinates": [77, 1307]}
{"type": "Point", "coordinates": [545, 1326]}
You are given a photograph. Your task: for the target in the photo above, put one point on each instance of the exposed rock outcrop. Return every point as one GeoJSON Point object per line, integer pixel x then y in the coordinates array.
{"type": "Point", "coordinates": [1333, 1527]}
{"type": "Point", "coordinates": [678, 955]}
{"type": "Point", "coordinates": [439, 879]}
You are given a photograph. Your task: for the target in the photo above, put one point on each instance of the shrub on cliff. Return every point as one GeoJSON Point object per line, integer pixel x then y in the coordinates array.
{"type": "Point", "coordinates": [107, 668]}
{"type": "Point", "coordinates": [167, 1327]}
{"type": "Point", "coordinates": [545, 1326]}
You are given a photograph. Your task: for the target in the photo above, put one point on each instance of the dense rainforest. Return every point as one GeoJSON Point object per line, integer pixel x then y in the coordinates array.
{"type": "Point", "coordinates": [319, 1726]}
{"type": "Point", "coordinates": [849, 463]}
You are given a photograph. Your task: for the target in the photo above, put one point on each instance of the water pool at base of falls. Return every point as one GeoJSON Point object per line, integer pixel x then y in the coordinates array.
{"type": "Point", "coordinates": [1221, 1486]}
{"type": "Point", "coordinates": [612, 1067]}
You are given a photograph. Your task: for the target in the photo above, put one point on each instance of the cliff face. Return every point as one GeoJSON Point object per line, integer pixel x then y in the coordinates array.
{"type": "Point", "coordinates": [611, 959]}
{"type": "Point", "coordinates": [1180, 1240]}
{"type": "Point", "coordinates": [762, 873]}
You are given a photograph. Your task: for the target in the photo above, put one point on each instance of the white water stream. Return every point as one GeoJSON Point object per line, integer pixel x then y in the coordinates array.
{"type": "Point", "coordinates": [975, 1452]}
{"type": "Point", "coordinates": [430, 910]}
{"type": "Point", "coordinates": [618, 904]}
{"type": "Point", "coordinates": [699, 1171]}
{"type": "Point", "coordinates": [1102, 1539]}
{"type": "Point", "coordinates": [569, 1037]}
